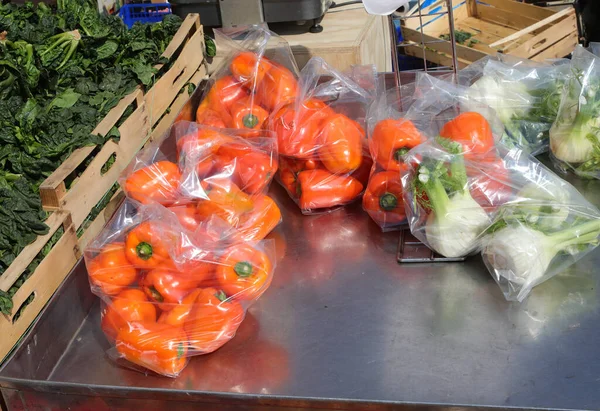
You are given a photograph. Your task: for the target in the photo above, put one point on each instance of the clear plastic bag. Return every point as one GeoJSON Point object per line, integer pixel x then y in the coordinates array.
{"type": "Point", "coordinates": [391, 136]}
{"type": "Point", "coordinates": [322, 140]}
{"type": "Point", "coordinates": [168, 293]}
{"type": "Point", "coordinates": [213, 175]}
{"type": "Point", "coordinates": [257, 73]}
{"type": "Point", "coordinates": [545, 227]}
{"type": "Point", "coordinates": [525, 95]}
{"type": "Point", "coordinates": [575, 134]}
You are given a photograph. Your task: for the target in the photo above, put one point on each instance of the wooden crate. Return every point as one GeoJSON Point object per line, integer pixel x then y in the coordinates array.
{"type": "Point", "coordinates": [71, 207]}
{"type": "Point", "coordinates": [504, 26]}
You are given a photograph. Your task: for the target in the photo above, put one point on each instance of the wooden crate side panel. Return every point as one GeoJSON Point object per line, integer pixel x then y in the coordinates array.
{"type": "Point", "coordinates": [504, 18]}
{"type": "Point", "coordinates": [26, 256]}
{"type": "Point", "coordinates": [162, 94]}
{"type": "Point", "coordinates": [524, 9]}
{"type": "Point", "coordinates": [414, 22]}
{"type": "Point", "coordinates": [560, 49]}
{"type": "Point", "coordinates": [165, 123]}
{"type": "Point", "coordinates": [463, 52]}
{"type": "Point", "coordinates": [42, 284]}
{"type": "Point", "coordinates": [100, 221]}
{"type": "Point", "coordinates": [438, 26]}
{"type": "Point", "coordinates": [434, 56]}
{"type": "Point", "coordinates": [540, 42]}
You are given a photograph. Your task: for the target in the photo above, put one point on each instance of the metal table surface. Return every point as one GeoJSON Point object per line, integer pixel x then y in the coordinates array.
{"type": "Point", "coordinates": [342, 326]}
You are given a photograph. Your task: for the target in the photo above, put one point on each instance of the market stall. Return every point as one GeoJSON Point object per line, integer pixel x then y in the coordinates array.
{"type": "Point", "coordinates": [317, 239]}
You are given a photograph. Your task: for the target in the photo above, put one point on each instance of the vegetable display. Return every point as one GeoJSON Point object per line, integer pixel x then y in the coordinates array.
{"type": "Point", "coordinates": [527, 223]}
{"type": "Point", "coordinates": [62, 69]}
{"type": "Point", "coordinates": [574, 136]}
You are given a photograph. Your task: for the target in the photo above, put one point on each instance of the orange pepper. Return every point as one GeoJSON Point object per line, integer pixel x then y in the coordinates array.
{"type": "Point", "coordinates": [383, 198]}
{"type": "Point", "coordinates": [321, 189]}
{"type": "Point", "coordinates": [248, 114]}
{"type": "Point", "coordinates": [258, 223]}
{"type": "Point", "coordinates": [167, 287]}
{"type": "Point", "coordinates": [341, 144]}
{"type": "Point", "coordinates": [158, 182]}
{"type": "Point", "coordinates": [161, 348]}
{"type": "Point", "coordinates": [298, 130]}
{"type": "Point", "coordinates": [185, 114]}
{"type": "Point", "coordinates": [198, 149]}
{"type": "Point", "coordinates": [279, 86]}
{"type": "Point", "coordinates": [145, 247]}
{"type": "Point", "coordinates": [211, 118]}
{"type": "Point", "coordinates": [392, 139]}
{"type": "Point", "coordinates": [213, 320]}
{"type": "Point", "coordinates": [249, 68]}
{"type": "Point", "coordinates": [472, 131]}
{"type": "Point", "coordinates": [363, 172]}
{"type": "Point", "coordinates": [186, 214]}
{"type": "Point", "coordinates": [224, 199]}
{"type": "Point", "coordinates": [223, 94]}
{"type": "Point", "coordinates": [250, 169]}
{"type": "Point", "coordinates": [126, 307]}
{"type": "Point", "coordinates": [289, 169]}
{"type": "Point", "coordinates": [110, 270]}
{"type": "Point", "coordinates": [180, 312]}
{"type": "Point", "coordinates": [244, 272]}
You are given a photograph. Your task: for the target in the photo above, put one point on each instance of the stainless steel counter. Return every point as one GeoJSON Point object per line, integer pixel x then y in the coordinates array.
{"type": "Point", "coordinates": [343, 326]}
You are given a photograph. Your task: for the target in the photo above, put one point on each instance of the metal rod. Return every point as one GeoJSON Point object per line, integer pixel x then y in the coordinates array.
{"type": "Point", "coordinates": [452, 39]}
{"type": "Point", "coordinates": [395, 63]}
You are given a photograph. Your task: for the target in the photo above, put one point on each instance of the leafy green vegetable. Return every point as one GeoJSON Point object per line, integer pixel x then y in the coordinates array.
{"type": "Point", "coordinates": [211, 47]}
{"type": "Point", "coordinates": [62, 69]}
{"type": "Point", "coordinates": [460, 36]}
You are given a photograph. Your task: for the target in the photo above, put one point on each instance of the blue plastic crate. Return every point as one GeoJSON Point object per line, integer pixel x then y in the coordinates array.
{"type": "Point", "coordinates": [144, 13]}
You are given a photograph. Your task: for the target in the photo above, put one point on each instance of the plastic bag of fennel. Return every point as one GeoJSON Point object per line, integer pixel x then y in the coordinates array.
{"type": "Point", "coordinates": [575, 134]}
{"type": "Point", "coordinates": [545, 227]}
{"type": "Point", "coordinates": [525, 95]}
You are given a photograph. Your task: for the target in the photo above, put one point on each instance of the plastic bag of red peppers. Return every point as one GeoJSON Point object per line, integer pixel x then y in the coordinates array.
{"type": "Point", "coordinates": [184, 257]}
{"type": "Point", "coordinates": [324, 159]}
{"type": "Point", "coordinates": [169, 293]}
{"type": "Point", "coordinates": [256, 74]}
{"type": "Point", "coordinates": [391, 136]}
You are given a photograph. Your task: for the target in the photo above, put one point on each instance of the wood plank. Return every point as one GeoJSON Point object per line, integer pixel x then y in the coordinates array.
{"type": "Point", "coordinates": [472, 8]}
{"type": "Point", "coordinates": [533, 27]}
{"type": "Point", "coordinates": [26, 256]}
{"type": "Point", "coordinates": [100, 221]}
{"type": "Point", "coordinates": [439, 25]}
{"type": "Point", "coordinates": [504, 18]}
{"type": "Point", "coordinates": [486, 29]}
{"type": "Point", "coordinates": [434, 56]}
{"type": "Point", "coordinates": [414, 22]}
{"type": "Point", "coordinates": [524, 9]}
{"type": "Point", "coordinates": [165, 123]}
{"type": "Point", "coordinates": [543, 40]}
{"type": "Point", "coordinates": [560, 49]}
{"type": "Point", "coordinates": [189, 26]}
{"type": "Point", "coordinates": [463, 52]}
{"type": "Point", "coordinates": [115, 114]}
{"type": "Point", "coordinates": [162, 94]}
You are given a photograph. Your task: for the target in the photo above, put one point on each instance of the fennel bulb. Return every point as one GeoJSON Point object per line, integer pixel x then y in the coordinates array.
{"type": "Point", "coordinates": [507, 98]}
{"type": "Point", "coordinates": [456, 220]}
{"type": "Point", "coordinates": [574, 142]}
{"type": "Point", "coordinates": [522, 255]}
{"type": "Point", "coordinates": [454, 232]}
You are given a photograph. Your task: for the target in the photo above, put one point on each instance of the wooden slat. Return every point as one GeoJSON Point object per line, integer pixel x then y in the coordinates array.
{"type": "Point", "coordinates": [42, 284]}
{"type": "Point", "coordinates": [538, 43]}
{"type": "Point", "coordinates": [25, 257]}
{"type": "Point", "coordinates": [533, 27]}
{"type": "Point", "coordinates": [434, 56]}
{"type": "Point", "coordinates": [472, 8]}
{"type": "Point", "coordinates": [463, 52]}
{"type": "Point", "coordinates": [115, 114]}
{"type": "Point", "coordinates": [100, 221]}
{"type": "Point", "coordinates": [560, 49]}
{"type": "Point", "coordinates": [486, 29]}
{"type": "Point", "coordinates": [162, 94]}
{"type": "Point", "coordinates": [524, 9]}
{"type": "Point", "coordinates": [505, 18]}
{"type": "Point", "coordinates": [189, 26]}
{"type": "Point", "coordinates": [165, 123]}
